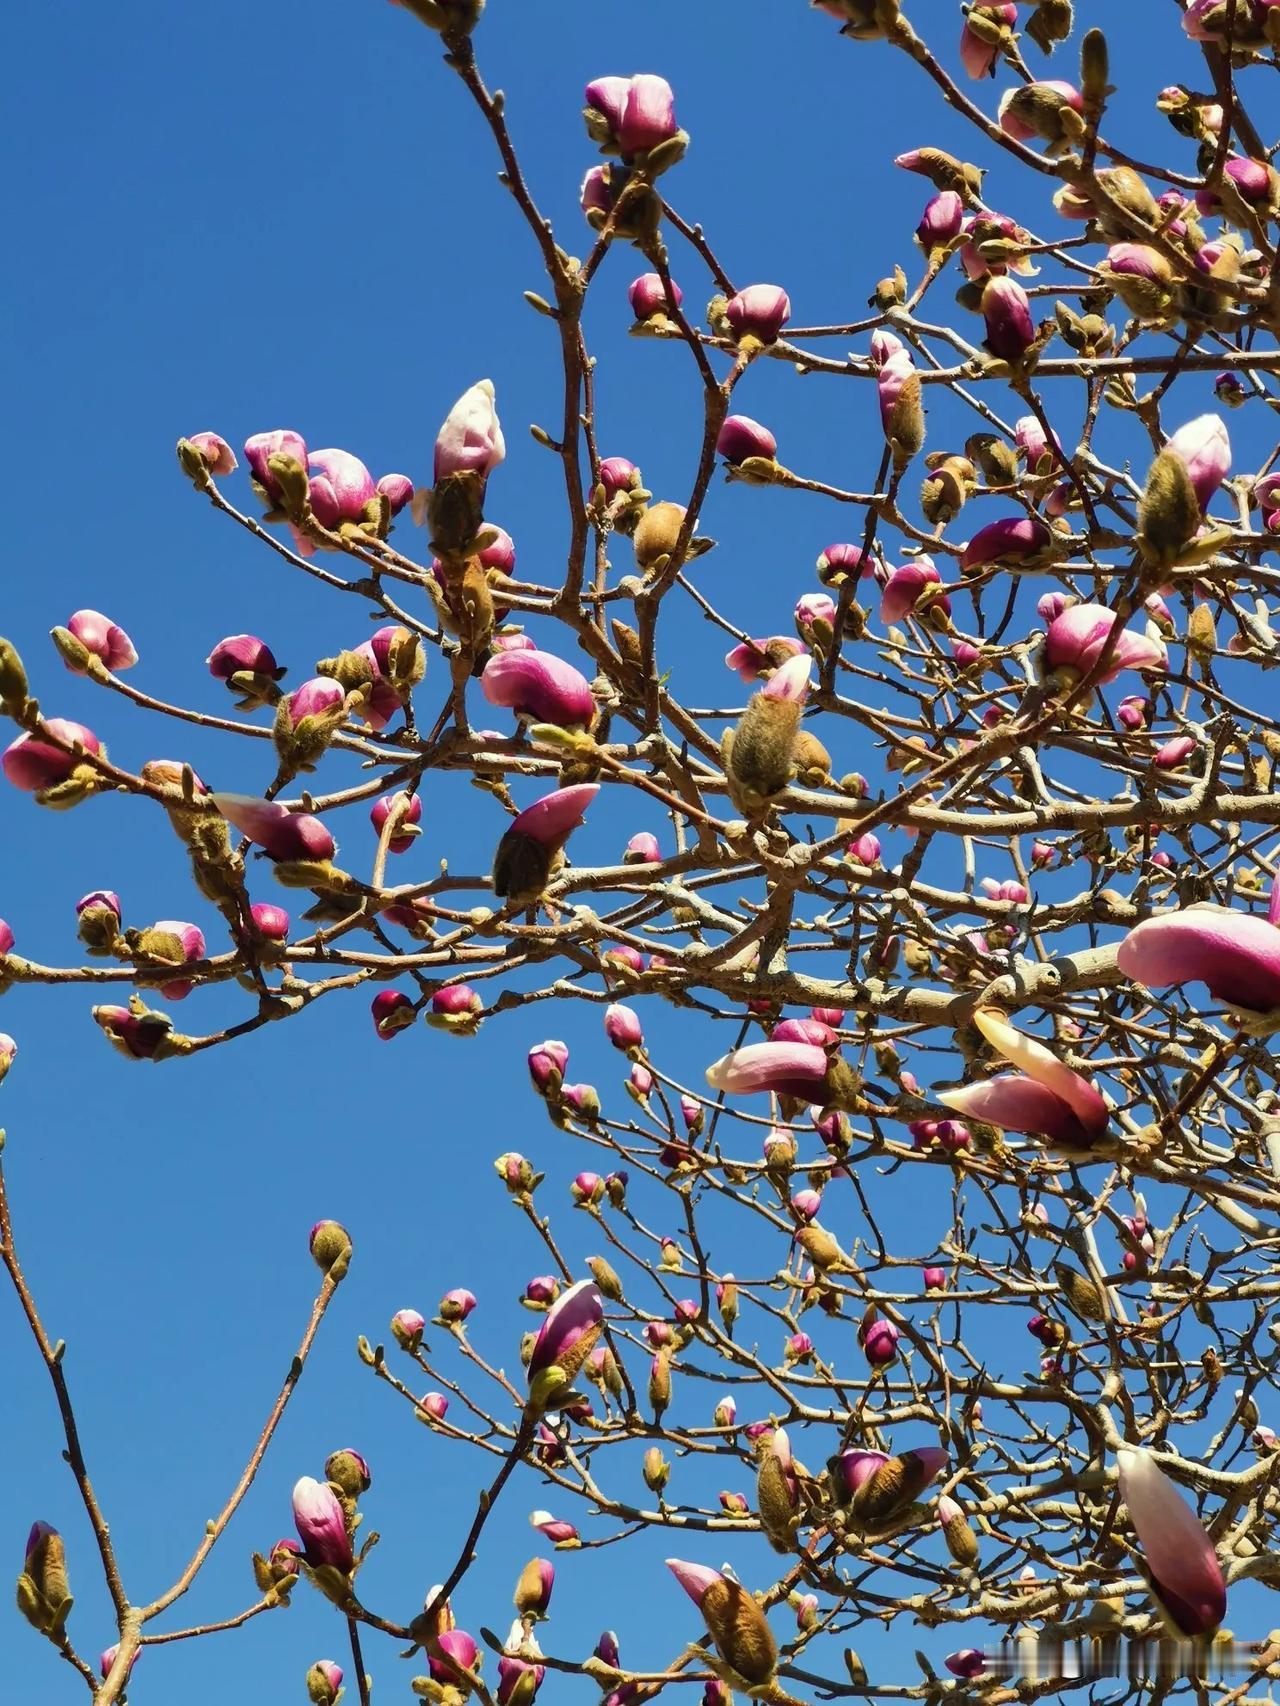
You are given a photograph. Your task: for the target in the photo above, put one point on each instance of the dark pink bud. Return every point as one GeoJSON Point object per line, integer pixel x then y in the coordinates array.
{"type": "Point", "coordinates": [880, 1343]}
{"type": "Point", "coordinates": [99, 635]}
{"type": "Point", "coordinates": [315, 698]}
{"type": "Point", "coordinates": [978, 56]}
{"type": "Point", "coordinates": [906, 586]}
{"type": "Point", "coordinates": [642, 849]}
{"type": "Point", "coordinates": [806, 1204]}
{"type": "Point", "coordinates": [1075, 641]}
{"type": "Point", "coordinates": [317, 1516]}
{"type": "Point", "coordinates": [456, 1305]}
{"type": "Point", "coordinates": [753, 657]}
{"type": "Point", "coordinates": [259, 450]}
{"type": "Point", "coordinates": [617, 474]}
{"type": "Point", "coordinates": [242, 652]}
{"type": "Point", "coordinates": [967, 1663]}
{"type": "Point", "coordinates": [392, 1011]}
{"type": "Point", "coordinates": [547, 1064]}
{"type": "Point", "coordinates": [219, 458]}
{"type": "Point", "coordinates": [935, 1279]}
{"type": "Point", "coordinates": [802, 1031]}
{"type": "Point", "coordinates": [553, 818]}
{"type": "Point", "coordinates": [1011, 539]}
{"type": "Point", "coordinates": [648, 297]}
{"type": "Point", "coordinates": [539, 685]}
{"type": "Point", "coordinates": [34, 764]}
{"type": "Point", "coordinates": [459, 1646]}
{"type": "Point", "coordinates": [760, 311]}
{"type": "Point", "coordinates": [397, 489]}
{"type": "Point", "coordinates": [339, 488]}
{"type": "Point", "coordinates": [280, 833]}
{"type": "Point", "coordinates": [622, 1027]}
{"type": "Point", "coordinates": [941, 221]}
{"type": "Point", "coordinates": [845, 560]}
{"type": "Point", "coordinates": [100, 900]}
{"type": "Point", "coordinates": [404, 836]}
{"type": "Point", "coordinates": [1006, 309]}
{"type": "Point", "coordinates": [542, 1291]}
{"type": "Point", "coordinates": [137, 1035]}
{"type": "Point", "coordinates": [741, 437]}
{"type": "Point", "coordinates": [648, 115]}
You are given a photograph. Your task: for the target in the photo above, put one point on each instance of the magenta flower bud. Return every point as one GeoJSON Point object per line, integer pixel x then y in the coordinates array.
{"type": "Point", "coordinates": [518, 1680]}
{"type": "Point", "coordinates": [642, 849]}
{"type": "Point", "coordinates": [941, 221]}
{"type": "Point", "coordinates": [456, 1305]}
{"type": "Point", "coordinates": [967, 1663]}
{"type": "Point", "coordinates": [1185, 1573]}
{"type": "Point", "coordinates": [596, 194]}
{"type": "Point", "coordinates": [392, 1012]}
{"type": "Point", "coordinates": [659, 1333]}
{"type": "Point", "coordinates": [752, 657]}
{"type": "Point", "coordinates": [1014, 105]}
{"type": "Point", "coordinates": [551, 819]}
{"type": "Point", "coordinates": [647, 298]}
{"type": "Point", "coordinates": [1006, 890]}
{"type": "Point", "coordinates": [339, 488]}
{"type": "Point", "coordinates": [539, 685]}
{"type": "Point", "coordinates": [760, 311]}
{"type": "Point", "coordinates": [1044, 1095]}
{"type": "Point", "coordinates": [99, 900]}
{"type": "Point", "coordinates": [1204, 449]}
{"type": "Point", "coordinates": [1174, 752]}
{"type": "Point", "coordinates": [405, 835]}
{"type": "Point", "coordinates": [547, 1065]}
{"type": "Point", "coordinates": [397, 489]}
{"type": "Point", "coordinates": [458, 1646]}
{"type": "Point", "coordinates": [1133, 711]}
{"type": "Point", "coordinates": [814, 609]}
{"type": "Point", "coordinates": [435, 1405]}
{"type": "Point", "coordinates": [802, 1031]}
{"type": "Point", "coordinates": [790, 1069]}
{"type": "Point", "coordinates": [978, 56]}
{"type": "Point", "coordinates": [906, 586]}
{"type": "Point", "coordinates": [1032, 440]}
{"type": "Point", "coordinates": [587, 1188]}
{"type": "Point", "coordinates": [100, 636]}
{"type": "Point", "coordinates": [880, 1343]}
{"type": "Point", "coordinates": [7, 937]}
{"type": "Point", "coordinates": [1075, 642]}
{"type": "Point", "coordinates": [693, 1115]}
{"type": "Point", "coordinates": [407, 1328]}
{"type": "Point", "coordinates": [1006, 309]}
{"type": "Point", "coordinates": [844, 561]}
{"type": "Point", "coordinates": [1009, 540]}
{"type": "Point", "coordinates": [513, 643]}
{"type": "Point", "coordinates": [107, 1658]}
{"type": "Point", "coordinates": [470, 441]}
{"type": "Point", "coordinates": [34, 764]}
{"type": "Point", "coordinates": [865, 850]}
{"type": "Point", "coordinates": [798, 1349]}
{"type": "Point", "coordinates": [740, 437]}
{"type": "Point", "coordinates": [559, 1533]}
{"type": "Point", "coordinates": [855, 1468]}
{"type": "Point", "coordinates": [884, 346]}
{"type": "Point", "coordinates": [1230, 389]}
{"type": "Point", "coordinates": [219, 458]}
{"type": "Point", "coordinates": [318, 1518]}
{"type": "Point", "coordinates": [607, 97]}
{"type": "Point", "coordinates": [1264, 1439]}
{"type": "Point", "coordinates": [1048, 1332]}
{"type": "Point", "coordinates": [1235, 954]}
{"type": "Point", "coordinates": [806, 1204]}
{"type": "Point", "coordinates": [242, 653]}
{"type": "Point", "coordinates": [953, 1135]}
{"type": "Point", "coordinates": [259, 450]}
{"type": "Point", "coordinates": [832, 1017]}
{"type": "Point", "coordinates": [1042, 855]}
{"type": "Point", "coordinates": [622, 1027]}
{"type": "Point", "coordinates": [648, 115]}
{"type": "Point", "coordinates": [140, 1036]}
{"type": "Point", "coordinates": [280, 833]}
{"type": "Point", "coordinates": [542, 1291]}
{"type": "Point", "coordinates": [190, 939]}
{"type": "Point", "coordinates": [314, 698]}
{"type": "Point", "coordinates": [606, 1649]}
{"type": "Point", "coordinates": [9, 1048]}
{"type": "Point", "coordinates": [617, 474]}
{"type": "Point", "coordinates": [890, 380]}
{"type": "Point", "coordinates": [935, 1279]}
{"type": "Point", "coordinates": [565, 1340]}
{"type": "Point", "coordinates": [641, 1080]}
{"type": "Point", "coordinates": [456, 1002]}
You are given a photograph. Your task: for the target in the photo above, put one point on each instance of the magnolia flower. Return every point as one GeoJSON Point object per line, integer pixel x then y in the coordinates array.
{"type": "Point", "coordinates": [539, 685]}
{"type": "Point", "coordinates": [1235, 954]}
{"type": "Point", "coordinates": [259, 450]}
{"type": "Point", "coordinates": [789, 1068]}
{"type": "Point", "coordinates": [741, 438]}
{"type": "Point", "coordinates": [1076, 639]}
{"type": "Point", "coordinates": [941, 220]}
{"type": "Point", "coordinates": [471, 441]}
{"type": "Point", "coordinates": [1044, 1096]}
{"type": "Point", "coordinates": [906, 586]}
{"type": "Point", "coordinates": [760, 311]}
{"type": "Point", "coordinates": [753, 657]}
{"type": "Point", "coordinates": [631, 114]}
{"type": "Point", "coordinates": [405, 832]}
{"type": "Point", "coordinates": [1006, 309]}
{"type": "Point", "coordinates": [565, 1340]}
{"type": "Point", "coordinates": [339, 488]}
{"type": "Point", "coordinates": [1012, 539]}
{"type": "Point", "coordinates": [219, 458]}
{"type": "Point", "coordinates": [1185, 1574]}
{"type": "Point", "coordinates": [101, 637]}
{"type": "Point", "coordinates": [1204, 449]}
{"type": "Point", "coordinates": [977, 54]}
{"type": "Point", "coordinates": [280, 833]}
{"type": "Point", "coordinates": [647, 296]}
{"type": "Point", "coordinates": [33, 763]}
{"type": "Point", "coordinates": [734, 1620]}
{"type": "Point", "coordinates": [321, 1527]}
{"type": "Point", "coordinates": [452, 1650]}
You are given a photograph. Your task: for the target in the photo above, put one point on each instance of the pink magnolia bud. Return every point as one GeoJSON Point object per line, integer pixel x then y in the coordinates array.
{"type": "Point", "coordinates": [740, 437]}
{"type": "Point", "coordinates": [33, 764]}
{"type": "Point", "coordinates": [1042, 855]}
{"type": "Point", "coordinates": [807, 1204]}
{"type": "Point", "coordinates": [813, 609]}
{"type": "Point", "coordinates": [219, 458]}
{"type": "Point", "coordinates": [659, 1333]}
{"type": "Point", "coordinates": [647, 298]}
{"type": "Point", "coordinates": [392, 1012]}
{"type": "Point", "coordinates": [259, 450]}
{"type": "Point", "coordinates": [622, 1027]}
{"type": "Point", "coordinates": [7, 937]}
{"type": "Point", "coordinates": [953, 1135]}
{"type": "Point", "coordinates": [905, 588]}
{"type": "Point", "coordinates": [407, 1328]}
{"type": "Point", "coordinates": [547, 1064]}
{"type": "Point", "coordinates": [539, 685]}
{"type": "Point", "coordinates": [140, 1036]}
{"type": "Point", "coordinates": [542, 1291]}
{"type": "Point", "coordinates": [470, 441]}
{"type": "Point", "coordinates": [967, 1663]}
{"type": "Point", "coordinates": [941, 221]}
{"type": "Point", "coordinates": [845, 560]}
{"type": "Point", "coordinates": [642, 849]}
{"type": "Point", "coordinates": [1133, 711]}
{"type": "Point", "coordinates": [9, 1050]}
{"type": "Point", "coordinates": [1204, 449]}
{"type": "Point", "coordinates": [1264, 1439]}
{"type": "Point", "coordinates": [456, 1305]}
{"type": "Point", "coordinates": [242, 653]}
{"type": "Point", "coordinates": [453, 1650]}
{"type": "Point", "coordinates": [315, 698]}
{"type": "Point", "coordinates": [935, 1279]}
{"type": "Point", "coordinates": [977, 55]}
{"type": "Point", "coordinates": [561, 1533]}
{"type": "Point", "coordinates": [802, 1031]}
{"type": "Point", "coordinates": [798, 1349]}
{"type": "Point", "coordinates": [552, 818]}
{"type": "Point", "coordinates": [597, 194]}
{"type": "Point", "coordinates": [1075, 641]}
{"type": "Point", "coordinates": [1033, 110]}
{"type": "Point", "coordinates": [397, 489]}
{"type": "Point", "coordinates": [617, 474]}
{"type": "Point", "coordinates": [99, 635]}
{"type": "Point", "coordinates": [281, 834]}
{"type": "Point", "coordinates": [880, 1343]}
{"type": "Point", "coordinates": [648, 115]}
{"type": "Point", "coordinates": [191, 946]}
{"type": "Point", "coordinates": [641, 1080]}
{"type": "Point", "coordinates": [318, 1518]}
{"type": "Point", "coordinates": [754, 657]}
{"type": "Point", "coordinates": [339, 488]}
{"type": "Point", "coordinates": [587, 1190]}
{"type": "Point", "coordinates": [760, 311]}
{"type": "Point", "coordinates": [833, 1017]}
{"type": "Point", "coordinates": [1174, 752]}
{"type": "Point", "coordinates": [107, 1658]}
{"type": "Point", "coordinates": [1006, 309]}
{"type": "Point", "coordinates": [865, 850]}
{"type": "Point", "coordinates": [1180, 1555]}
{"type": "Point", "coordinates": [404, 836]}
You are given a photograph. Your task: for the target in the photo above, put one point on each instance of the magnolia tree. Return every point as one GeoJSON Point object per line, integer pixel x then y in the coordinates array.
{"type": "Point", "coordinates": [1046, 622]}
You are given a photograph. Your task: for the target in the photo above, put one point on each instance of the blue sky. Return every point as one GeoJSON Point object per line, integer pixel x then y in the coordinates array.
{"type": "Point", "coordinates": [245, 217]}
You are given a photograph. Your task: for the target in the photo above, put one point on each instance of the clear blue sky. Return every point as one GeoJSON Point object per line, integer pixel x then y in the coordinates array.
{"type": "Point", "coordinates": [250, 216]}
